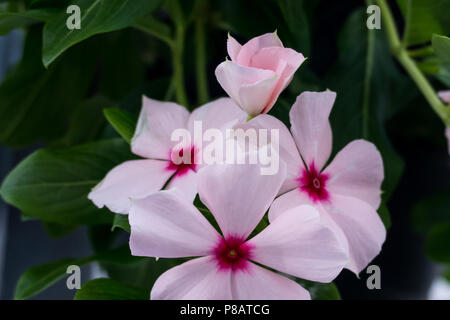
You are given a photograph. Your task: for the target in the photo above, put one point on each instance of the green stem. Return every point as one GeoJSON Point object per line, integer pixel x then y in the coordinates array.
{"type": "Point", "coordinates": [177, 65]}
{"type": "Point", "coordinates": [405, 60]}
{"type": "Point", "coordinates": [200, 42]}
{"type": "Point", "coordinates": [367, 76]}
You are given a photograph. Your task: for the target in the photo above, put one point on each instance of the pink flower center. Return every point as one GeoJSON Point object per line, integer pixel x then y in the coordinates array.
{"type": "Point", "coordinates": [182, 160]}
{"type": "Point", "coordinates": [232, 253]}
{"type": "Point", "coordinates": [313, 183]}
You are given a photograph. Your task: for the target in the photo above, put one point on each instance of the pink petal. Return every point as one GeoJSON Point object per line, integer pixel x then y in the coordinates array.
{"type": "Point", "coordinates": [357, 171]}
{"type": "Point", "coordinates": [134, 179]}
{"type": "Point", "coordinates": [184, 185]}
{"type": "Point", "coordinates": [283, 61]}
{"type": "Point", "coordinates": [219, 114]}
{"type": "Point", "coordinates": [257, 283]}
{"type": "Point", "coordinates": [299, 244]}
{"type": "Point", "coordinates": [310, 126]}
{"type": "Point", "coordinates": [197, 279]}
{"type": "Point", "coordinates": [156, 123]}
{"type": "Point", "coordinates": [238, 195]}
{"type": "Point", "coordinates": [445, 96]}
{"type": "Point", "coordinates": [287, 149]}
{"type": "Point", "coordinates": [167, 226]}
{"type": "Point", "coordinates": [254, 45]}
{"type": "Point", "coordinates": [255, 98]}
{"type": "Point", "coordinates": [287, 201]}
{"type": "Point", "coordinates": [362, 227]}
{"type": "Point", "coordinates": [250, 88]}
{"type": "Point", "coordinates": [447, 134]}
{"type": "Point", "coordinates": [233, 48]}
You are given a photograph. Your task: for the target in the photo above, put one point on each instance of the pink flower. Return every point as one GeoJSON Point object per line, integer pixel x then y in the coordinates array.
{"type": "Point", "coordinates": [346, 192]}
{"type": "Point", "coordinates": [258, 72]}
{"type": "Point", "coordinates": [445, 96]}
{"type": "Point", "coordinates": [137, 179]}
{"type": "Point", "coordinates": [165, 225]}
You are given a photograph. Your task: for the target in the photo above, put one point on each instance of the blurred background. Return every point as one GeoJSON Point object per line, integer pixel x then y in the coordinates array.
{"type": "Point", "coordinates": [62, 106]}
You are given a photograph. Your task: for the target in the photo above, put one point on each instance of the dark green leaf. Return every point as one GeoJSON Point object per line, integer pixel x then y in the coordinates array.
{"type": "Point", "coordinates": [107, 289]}
{"type": "Point", "coordinates": [97, 16]}
{"type": "Point", "coordinates": [13, 20]}
{"type": "Point", "coordinates": [122, 121]}
{"type": "Point", "coordinates": [437, 241]}
{"type": "Point", "coordinates": [58, 230]}
{"type": "Point", "coordinates": [423, 18]}
{"type": "Point", "coordinates": [37, 279]}
{"type": "Point", "coordinates": [432, 211]}
{"type": "Point", "coordinates": [53, 185]}
{"type": "Point", "coordinates": [35, 103]}
{"type": "Point", "coordinates": [320, 291]}
{"type": "Point", "coordinates": [89, 111]}
{"type": "Point", "coordinates": [441, 45]}
{"type": "Point", "coordinates": [121, 221]}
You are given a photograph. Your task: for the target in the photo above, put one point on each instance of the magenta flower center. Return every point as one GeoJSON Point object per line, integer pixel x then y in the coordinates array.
{"type": "Point", "coordinates": [232, 253]}
{"type": "Point", "coordinates": [182, 160]}
{"type": "Point", "coordinates": [313, 183]}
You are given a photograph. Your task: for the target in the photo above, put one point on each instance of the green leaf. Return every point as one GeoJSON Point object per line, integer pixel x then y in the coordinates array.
{"type": "Point", "coordinates": [122, 121]}
{"type": "Point", "coordinates": [37, 279]}
{"type": "Point", "coordinates": [423, 18]}
{"type": "Point", "coordinates": [121, 221]}
{"type": "Point", "coordinates": [441, 46]}
{"type": "Point", "coordinates": [437, 241]}
{"type": "Point", "coordinates": [13, 20]}
{"type": "Point", "coordinates": [320, 291]}
{"type": "Point", "coordinates": [107, 289]}
{"type": "Point", "coordinates": [89, 111]}
{"type": "Point", "coordinates": [35, 103]}
{"type": "Point", "coordinates": [97, 16]}
{"type": "Point", "coordinates": [58, 230]}
{"type": "Point", "coordinates": [53, 185]}
{"type": "Point", "coordinates": [432, 211]}
{"type": "Point", "coordinates": [383, 211]}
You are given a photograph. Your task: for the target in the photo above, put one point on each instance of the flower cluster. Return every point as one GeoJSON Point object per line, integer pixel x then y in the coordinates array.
{"type": "Point", "coordinates": [322, 216]}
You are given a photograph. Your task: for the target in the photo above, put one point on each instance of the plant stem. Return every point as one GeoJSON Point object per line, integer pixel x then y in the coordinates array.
{"type": "Point", "coordinates": [200, 41]}
{"type": "Point", "coordinates": [367, 76]}
{"type": "Point", "coordinates": [399, 51]}
{"type": "Point", "coordinates": [177, 65]}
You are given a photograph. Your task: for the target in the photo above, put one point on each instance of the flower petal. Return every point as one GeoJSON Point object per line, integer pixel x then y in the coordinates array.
{"type": "Point", "coordinates": [167, 226]}
{"type": "Point", "coordinates": [255, 98]}
{"type": "Point", "coordinates": [185, 185]}
{"type": "Point", "coordinates": [445, 96]}
{"type": "Point", "coordinates": [238, 195]}
{"type": "Point", "coordinates": [133, 179]}
{"type": "Point", "coordinates": [286, 245]}
{"type": "Point", "coordinates": [197, 279]}
{"type": "Point", "coordinates": [283, 61]}
{"type": "Point", "coordinates": [219, 114]}
{"type": "Point", "coordinates": [157, 121]}
{"type": "Point", "coordinates": [357, 171]}
{"type": "Point", "coordinates": [233, 48]}
{"type": "Point", "coordinates": [310, 126]}
{"type": "Point", "coordinates": [256, 283]}
{"type": "Point", "coordinates": [287, 201]}
{"type": "Point", "coordinates": [447, 134]}
{"type": "Point", "coordinates": [362, 227]}
{"type": "Point", "coordinates": [250, 88]}
{"type": "Point", "coordinates": [287, 149]}
{"type": "Point", "coordinates": [254, 45]}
